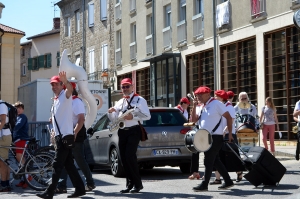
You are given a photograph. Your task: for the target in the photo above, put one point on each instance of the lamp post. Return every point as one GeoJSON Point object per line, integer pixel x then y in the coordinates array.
{"type": "Point", "coordinates": [215, 45]}
{"type": "Point", "coordinates": [104, 78]}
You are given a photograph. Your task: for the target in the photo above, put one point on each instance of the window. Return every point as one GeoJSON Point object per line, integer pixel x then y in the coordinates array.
{"type": "Point", "coordinates": [77, 21]}
{"type": "Point", "coordinates": [143, 83]}
{"type": "Point", "coordinates": [133, 32]}
{"type": "Point", "coordinates": [77, 58]}
{"type": "Point", "coordinates": [35, 63]}
{"type": "Point", "coordinates": [91, 14]}
{"type": "Point", "coordinates": [68, 27]}
{"type": "Point", "coordinates": [167, 15]}
{"type": "Point", "coordinates": [41, 61]}
{"type": "Point", "coordinates": [23, 52]}
{"type": "Point", "coordinates": [118, 39]}
{"type": "Point", "coordinates": [149, 24]}
{"type": "Point", "coordinates": [48, 63]}
{"type": "Point", "coordinates": [92, 61]}
{"type": "Point", "coordinates": [103, 10]}
{"type": "Point", "coordinates": [182, 10]}
{"type": "Point", "coordinates": [104, 56]}
{"type": "Point", "coordinates": [132, 5]}
{"type": "Point", "coordinates": [57, 58]}
{"type": "Point", "coordinates": [198, 7]}
{"type": "Point", "coordinates": [24, 70]}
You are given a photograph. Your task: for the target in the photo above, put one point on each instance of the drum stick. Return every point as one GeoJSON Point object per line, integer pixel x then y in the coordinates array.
{"type": "Point", "coordinates": [194, 95]}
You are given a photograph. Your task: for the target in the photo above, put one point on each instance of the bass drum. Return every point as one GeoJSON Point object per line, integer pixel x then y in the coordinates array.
{"type": "Point", "coordinates": [245, 124]}
{"type": "Point", "coordinates": [198, 140]}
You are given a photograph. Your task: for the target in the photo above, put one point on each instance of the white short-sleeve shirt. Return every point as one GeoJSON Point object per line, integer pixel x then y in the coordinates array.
{"type": "Point", "coordinates": [183, 112]}
{"type": "Point", "coordinates": [297, 108]}
{"type": "Point", "coordinates": [4, 110]}
{"type": "Point", "coordinates": [211, 113]}
{"type": "Point", "coordinates": [231, 111]}
{"type": "Point", "coordinates": [78, 108]}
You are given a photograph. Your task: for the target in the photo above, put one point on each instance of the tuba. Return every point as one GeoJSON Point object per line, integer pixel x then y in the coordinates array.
{"type": "Point", "coordinates": [80, 75]}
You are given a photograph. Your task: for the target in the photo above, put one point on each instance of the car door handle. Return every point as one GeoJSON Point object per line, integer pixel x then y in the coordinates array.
{"type": "Point", "coordinates": [110, 135]}
{"type": "Point", "coordinates": [97, 137]}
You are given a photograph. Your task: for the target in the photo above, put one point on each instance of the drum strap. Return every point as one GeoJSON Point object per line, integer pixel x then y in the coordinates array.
{"type": "Point", "coordinates": [216, 127]}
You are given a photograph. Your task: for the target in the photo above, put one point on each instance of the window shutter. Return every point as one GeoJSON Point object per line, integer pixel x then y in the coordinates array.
{"type": "Point", "coordinates": [104, 56]}
{"type": "Point", "coordinates": [57, 58]}
{"type": "Point", "coordinates": [49, 61]}
{"type": "Point", "coordinates": [91, 15]}
{"type": "Point", "coordinates": [41, 63]}
{"type": "Point", "coordinates": [103, 10]}
{"type": "Point", "coordinates": [29, 63]}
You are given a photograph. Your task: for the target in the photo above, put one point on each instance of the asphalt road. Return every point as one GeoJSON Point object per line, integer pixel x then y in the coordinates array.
{"type": "Point", "coordinates": [168, 182]}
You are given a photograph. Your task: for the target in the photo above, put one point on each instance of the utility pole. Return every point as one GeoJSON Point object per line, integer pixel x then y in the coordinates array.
{"type": "Point", "coordinates": [215, 45]}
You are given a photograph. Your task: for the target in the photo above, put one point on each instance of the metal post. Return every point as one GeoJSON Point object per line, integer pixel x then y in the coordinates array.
{"type": "Point", "coordinates": [215, 45]}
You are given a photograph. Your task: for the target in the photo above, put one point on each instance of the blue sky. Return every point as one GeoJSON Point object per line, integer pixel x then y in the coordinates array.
{"type": "Point", "coordinates": [31, 16]}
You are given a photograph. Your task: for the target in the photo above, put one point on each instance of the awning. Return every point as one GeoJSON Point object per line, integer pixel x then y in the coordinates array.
{"type": "Point", "coordinates": [160, 57]}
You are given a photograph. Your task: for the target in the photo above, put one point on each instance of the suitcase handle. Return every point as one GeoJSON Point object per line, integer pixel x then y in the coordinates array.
{"type": "Point", "coordinates": [237, 154]}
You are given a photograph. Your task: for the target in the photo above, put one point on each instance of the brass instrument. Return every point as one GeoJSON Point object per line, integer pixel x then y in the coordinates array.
{"type": "Point", "coordinates": [295, 129]}
{"type": "Point", "coordinates": [190, 96]}
{"type": "Point", "coordinates": [244, 105]}
{"type": "Point", "coordinates": [119, 122]}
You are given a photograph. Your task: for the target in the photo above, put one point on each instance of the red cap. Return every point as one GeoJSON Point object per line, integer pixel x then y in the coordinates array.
{"type": "Point", "coordinates": [230, 94]}
{"type": "Point", "coordinates": [126, 81]}
{"type": "Point", "coordinates": [73, 85]}
{"type": "Point", "coordinates": [185, 100]}
{"type": "Point", "coordinates": [202, 90]}
{"type": "Point", "coordinates": [55, 79]}
{"type": "Point", "coordinates": [222, 94]}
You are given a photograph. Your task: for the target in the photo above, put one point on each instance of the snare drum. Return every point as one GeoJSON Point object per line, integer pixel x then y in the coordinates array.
{"type": "Point", "coordinates": [245, 123]}
{"type": "Point", "coordinates": [198, 140]}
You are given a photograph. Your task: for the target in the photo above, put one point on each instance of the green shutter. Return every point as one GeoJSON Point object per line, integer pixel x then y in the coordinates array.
{"type": "Point", "coordinates": [58, 58]}
{"type": "Point", "coordinates": [48, 61]}
{"type": "Point", "coordinates": [41, 63]}
{"type": "Point", "coordinates": [29, 63]}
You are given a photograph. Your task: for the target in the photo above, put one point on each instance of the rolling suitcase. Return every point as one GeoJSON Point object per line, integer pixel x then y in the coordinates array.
{"type": "Point", "coordinates": [263, 167]}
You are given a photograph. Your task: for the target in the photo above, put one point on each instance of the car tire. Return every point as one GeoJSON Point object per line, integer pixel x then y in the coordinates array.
{"type": "Point", "coordinates": [116, 167]}
{"type": "Point", "coordinates": [185, 168]}
{"type": "Point", "coordinates": [91, 167]}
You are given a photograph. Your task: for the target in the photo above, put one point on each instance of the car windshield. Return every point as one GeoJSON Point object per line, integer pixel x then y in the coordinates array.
{"type": "Point", "coordinates": [165, 118]}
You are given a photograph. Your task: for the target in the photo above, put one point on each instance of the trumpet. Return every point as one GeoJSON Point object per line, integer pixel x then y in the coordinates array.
{"type": "Point", "coordinates": [190, 96]}
{"type": "Point", "coordinates": [119, 122]}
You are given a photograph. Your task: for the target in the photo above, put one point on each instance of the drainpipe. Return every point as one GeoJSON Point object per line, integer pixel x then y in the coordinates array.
{"type": "Point", "coordinates": [153, 28]}
{"type": "Point", "coordinates": [2, 33]}
{"type": "Point", "coordinates": [83, 35]}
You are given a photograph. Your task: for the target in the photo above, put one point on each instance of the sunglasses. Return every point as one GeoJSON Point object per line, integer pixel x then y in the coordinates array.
{"type": "Point", "coordinates": [123, 87]}
{"type": "Point", "coordinates": [243, 98]}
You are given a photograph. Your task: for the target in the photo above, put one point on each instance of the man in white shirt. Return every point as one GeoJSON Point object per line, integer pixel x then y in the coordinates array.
{"type": "Point", "coordinates": [210, 119]}
{"type": "Point", "coordinates": [63, 126]}
{"type": "Point", "coordinates": [5, 140]}
{"type": "Point", "coordinates": [130, 136]}
{"type": "Point", "coordinates": [182, 106]}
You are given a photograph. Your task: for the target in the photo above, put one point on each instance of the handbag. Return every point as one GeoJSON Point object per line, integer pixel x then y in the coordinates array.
{"type": "Point", "coordinates": [144, 136]}
{"type": "Point", "coordinates": [68, 141]}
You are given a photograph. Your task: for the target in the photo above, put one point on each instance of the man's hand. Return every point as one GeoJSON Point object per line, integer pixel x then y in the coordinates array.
{"type": "Point", "coordinates": [63, 77]}
{"type": "Point", "coordinates": [111, 110]}
{"type": "Point", "coordinates": [230, 138]}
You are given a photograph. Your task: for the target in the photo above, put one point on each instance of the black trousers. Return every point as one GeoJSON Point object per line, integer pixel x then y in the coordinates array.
{"type": "Point", "coordinates": [195, 162]}
{"type": "Point", "coordinates": [64, 158]}
{"type": "Point", "coordinates": [128, 143]}
{"type": "Point", "coordinates": [212, 159]}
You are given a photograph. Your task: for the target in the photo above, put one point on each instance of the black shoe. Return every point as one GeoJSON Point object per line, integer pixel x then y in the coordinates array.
{"type": "Point", "coordinates": [45, 195]}
{"type": "Point", "coordinates": [200, 187]}
{"type": "Point", "coordinates": [226, 186]}
{"type": "Point", "coordinates": [76, 194]}
{"type": "Point", "coordinates": [136, 190]}
{"type": "Point", "coordinates": [127, 189]}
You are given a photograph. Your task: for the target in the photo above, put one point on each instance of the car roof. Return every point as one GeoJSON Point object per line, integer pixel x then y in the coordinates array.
{"type": "Point", "coordinates": [162, 108]}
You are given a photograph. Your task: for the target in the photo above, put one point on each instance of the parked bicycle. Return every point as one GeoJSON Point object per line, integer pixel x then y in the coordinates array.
{"type": "Point", "coordinates": [38, 166]}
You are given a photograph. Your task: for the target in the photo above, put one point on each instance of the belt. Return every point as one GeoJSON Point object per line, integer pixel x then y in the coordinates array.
{"type": "Point", "coordinates": [131, 127]}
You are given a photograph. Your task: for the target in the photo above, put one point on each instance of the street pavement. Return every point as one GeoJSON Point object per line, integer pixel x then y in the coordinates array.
{"type": "Point", "coordinates": [169, 182]}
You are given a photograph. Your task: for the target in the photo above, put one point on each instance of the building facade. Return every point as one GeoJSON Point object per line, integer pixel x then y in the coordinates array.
{"type": "Point", "coordinates": [25, 54]}
{"type": "Point", "coordinates": [168, 47]}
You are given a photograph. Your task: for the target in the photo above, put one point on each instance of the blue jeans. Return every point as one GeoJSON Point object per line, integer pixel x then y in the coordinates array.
{"type": "Point", "coordinates": [78, 154]}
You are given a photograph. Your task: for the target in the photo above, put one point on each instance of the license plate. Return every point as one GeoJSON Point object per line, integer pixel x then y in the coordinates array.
{"type": "Point", "coordinates": [166, 152]}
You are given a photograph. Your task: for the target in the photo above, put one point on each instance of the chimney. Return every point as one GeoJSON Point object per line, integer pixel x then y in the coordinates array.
{"type": "Point", "coordinates": [56, 23]}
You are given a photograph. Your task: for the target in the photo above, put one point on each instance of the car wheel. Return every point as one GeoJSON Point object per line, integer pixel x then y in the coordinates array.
{"type": "Point", "coordinates": [185, 168]}
{"type": "Point", "coordinates": [115, 164]}
{"type": "Point", "coordinates": [91, 167]}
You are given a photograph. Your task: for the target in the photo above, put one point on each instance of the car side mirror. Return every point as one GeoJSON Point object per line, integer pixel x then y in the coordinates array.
{"type": "Point", "coordinates": [90, 131]}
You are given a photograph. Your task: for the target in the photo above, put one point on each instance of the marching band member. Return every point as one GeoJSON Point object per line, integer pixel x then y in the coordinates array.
{"type": "Point", "coordinates": [210, 119]}
{"type": "Point", "coordinates": [182, 106]}
{"type": "Point", "coordinates": [130, 136]}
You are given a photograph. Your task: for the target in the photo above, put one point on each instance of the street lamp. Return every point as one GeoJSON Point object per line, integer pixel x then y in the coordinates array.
{"type": "Point", "coordinates": [104, 77]}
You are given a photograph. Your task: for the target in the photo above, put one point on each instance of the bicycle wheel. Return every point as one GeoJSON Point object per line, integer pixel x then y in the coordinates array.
{"type": "Point", "coordinates": [39, 169]}
{"type": "Point", "coordinates": [45, 149]}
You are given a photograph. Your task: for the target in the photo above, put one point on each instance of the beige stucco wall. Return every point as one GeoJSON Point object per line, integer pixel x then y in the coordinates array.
{"type": "Point", "coordinates": [10, 63]}
{"type": "Point", "coordinates": [45, 45]}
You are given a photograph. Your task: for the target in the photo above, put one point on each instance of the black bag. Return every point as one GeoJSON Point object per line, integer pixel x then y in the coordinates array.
{"type": "Point", "coordinates": [81, 135]}
{"type": "Point", "coordinates": [68, 141]}
{"type": "Point", "coordinates": [12, 116]}
{"type": "Point", "coordinates": [144, 136]}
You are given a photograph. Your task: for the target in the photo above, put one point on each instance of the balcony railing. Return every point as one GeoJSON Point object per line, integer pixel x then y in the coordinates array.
{"type": "Point", "coordinates": [258, 7]}
{"type": "Point", "coordinates": [181, 32]}
{"type": "Point", "coordinates": [118, 56]}
{"type": "Point", "coordinates": [149, 47]}
{"type": "Point", "coordinates": [132, 51]}
{"type": "Point", "coordinates": [132, 5]}
{"type": "Point", "coordinates": [118, 11]}
{"type": "Point", "coordinates": [95, 75]}
{"type": "Point", "coordinates": [198, 26]}
{"type": "Point", "coordinates": [40, 132]}
{"type": "Point", "coordinates": [167, 37]}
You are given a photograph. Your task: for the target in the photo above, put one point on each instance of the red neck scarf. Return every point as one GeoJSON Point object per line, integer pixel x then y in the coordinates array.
{"type": "Point", "coordinates": [74, 97]}
{"type": "Point", "coordinates": [180, 108]}
{"type": "Point", "coordinates": [128, 96]}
